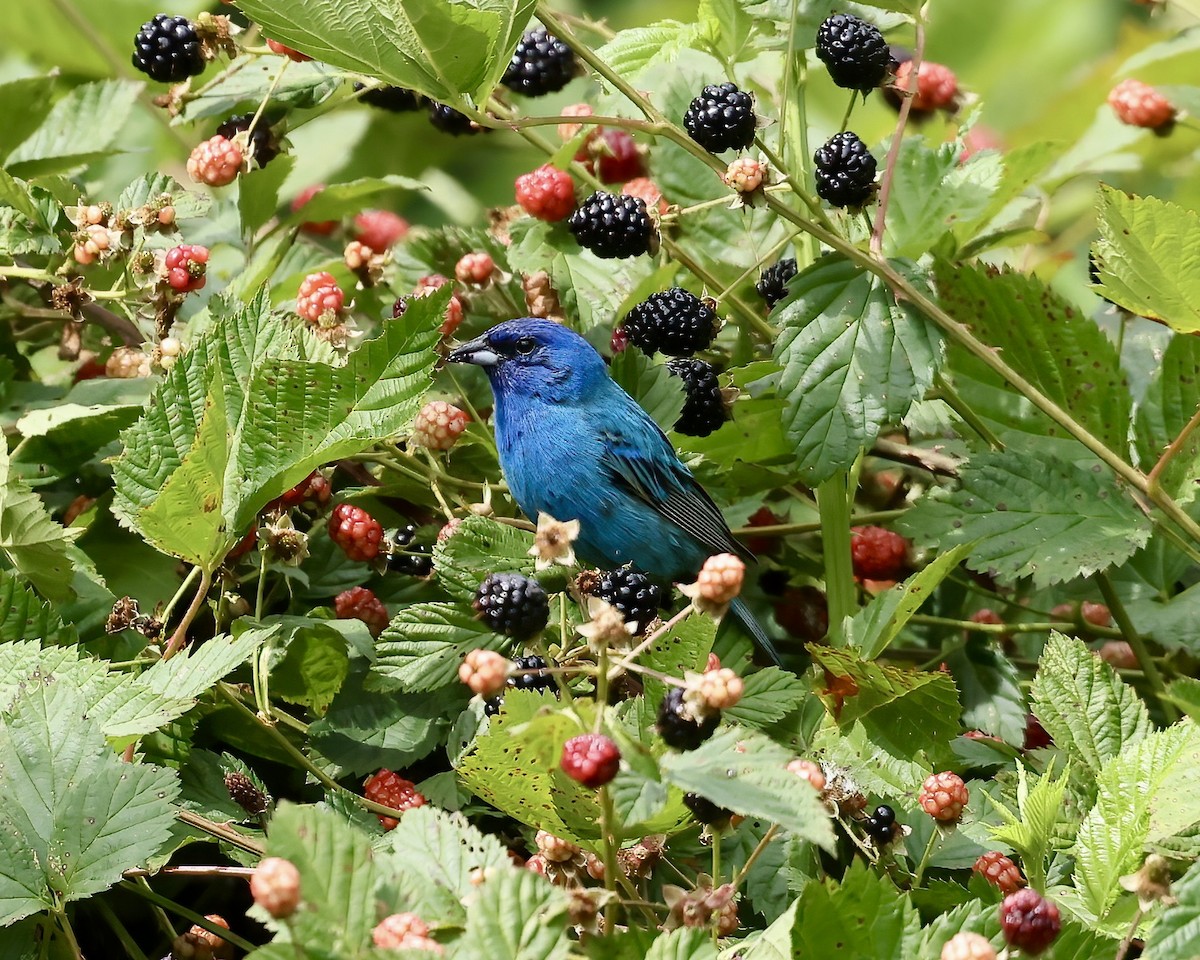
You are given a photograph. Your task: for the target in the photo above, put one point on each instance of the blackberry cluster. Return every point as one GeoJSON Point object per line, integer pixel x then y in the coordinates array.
{"type": "Point", "coordinates": [394, 99]}
{"type": "Point", "coordinates": [677, 728]}
{"type": "Point", "coordinates": [512, 604]}
{"type": "Point", "coordinates": [674, 321]}
{"type": "Point", "coordinates": [612, 226]}
{"type": "Point", "coordinates": [704, 407]}
{"type": "Point", "coordinates": [845, 171]}
{"type": "Point", "coordinates": [704, 810]}
{"type": "Point", "coordinates": [492, 707]}
{"type": "Point", "coordinates": [263, 143]}
{"type": "Point", "coordinates": [541, 64]}
{"type": "Point", "coordinates": [721, 118]}
{"type": "Point", "coordinates": [634, 594]}
{"type": "Point", "coordinates": [772, 285]}
{"type": "Point", "coordinates": [532, 681]}
{"type": "Point", "coordinates": [854, 52]}
{"type": "Point", "coordinates": [450, 121]}
{"type": "Point", "coordinates": [414, 559]}
{"type": "Point", "coordinates": [881, 824]}
{"type": "Point", "coordinates": [167, 49]}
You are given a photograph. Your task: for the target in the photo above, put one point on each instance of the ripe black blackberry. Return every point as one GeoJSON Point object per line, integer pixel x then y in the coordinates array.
{"type": "Point", "coordinates": [492, 707]}
{"type": "Point", "coordinates": [450, 121]}
{"type": "Point", "coordinates": [704, 407]}
{"type": "Point", "coordinates": [881, 825]}
{"type": "Point", "coordinates": [512, 604]}
{"type": "Point", "coordinates": [674, 321]}
{"type": "Point", "coordinates": [541, 64]}
{"type": "Point", "coordinates": [532, 681]}
{"type": "Point", "coordinates": [854, 52]}
{"type": "Point", "coordinates": [721, 118]}
{"type": "Point", "coordinates": [845, 171]}
{"type": "Point", "coordinates": [634, 594]}
{"type": "Point", "coordinates": [168, 49]}
{"type": "Point", "coordinates": [612, 226]}
{"type": "Point", "coordinates": [704, 810]}
{"type": "Point", "coordinates": [677, 726]}
{"type": "Point", "coordinates": [414, 559]}
{"type": "Point", "coordinates": [395, 99]}
{"type": "Point", "coordinates": [263, 143]}
{"type": "Point", "coordinates": [772, 285]}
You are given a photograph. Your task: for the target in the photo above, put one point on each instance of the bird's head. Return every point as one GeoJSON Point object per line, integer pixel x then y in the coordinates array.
{"type": "Point", "coordinates": [535, 357]}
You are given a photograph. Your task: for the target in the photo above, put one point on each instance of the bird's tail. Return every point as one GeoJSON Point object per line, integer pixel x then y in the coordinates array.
{"type": "Point", "coordinates": [754, 628]}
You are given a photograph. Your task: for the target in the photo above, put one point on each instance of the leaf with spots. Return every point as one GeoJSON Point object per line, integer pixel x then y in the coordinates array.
{"type": "Point", "coordinates": [1034, 516]}
{"type": "Point", "coordinates": [1052, 343]}
{"type": "Point", "coordinates": [74, 814]}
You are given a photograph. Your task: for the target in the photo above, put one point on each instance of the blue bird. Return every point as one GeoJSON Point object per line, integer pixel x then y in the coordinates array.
{"type": "Point", "coordinates": [574, 445]}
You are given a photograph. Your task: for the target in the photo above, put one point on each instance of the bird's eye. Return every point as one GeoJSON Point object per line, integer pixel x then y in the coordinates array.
{"type": "Point", "coordinates": [526, 345]}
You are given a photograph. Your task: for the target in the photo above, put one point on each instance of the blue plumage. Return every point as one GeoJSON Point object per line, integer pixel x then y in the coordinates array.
{"type": "Point", "coordinates": [574, 445]}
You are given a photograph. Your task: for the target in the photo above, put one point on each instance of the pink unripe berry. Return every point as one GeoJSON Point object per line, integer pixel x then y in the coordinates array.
{"type": "Point", "coordinates": [275, 886]}
{"type": "Point", "coordinates": [215, 162]}
{"type": "Point", "coordinates": [185, 267]}
{"type": "Point", "coordinates": [807, 770]}
{"type": "Point", "coordinates": [284, 51]}
{"type": "Point", "coordinates": [968, 946]}
{"type": "Point", "coordinates": [592, 759]}
{"type": "Point", "coordinates": [476, 268]}
{"type": "Point", "coordinates": [720, 579]}
{"type": "Point", "coordinates": [439, 424]}
{"type": "Point", "coordinates": [943, 796]}
{"type": "Point", "coordinates": [319, 296]}
{"type": "Point", "coordinates": [937, 86]}
{"type": "Point", "coordinates": [546, 193]}
{"type": "Point", "coordinates": [1140, 105]}
{"type": "Point", "coordinates": [318, 227]}
{"type": "Point", "coordinates": [648, 191]}
{"type": "Point", "coordinates": [745, 175]}
{"type": "Point", "coordinates": [379, 229]}
{"type": "Point", "coordinates": [485, 672]}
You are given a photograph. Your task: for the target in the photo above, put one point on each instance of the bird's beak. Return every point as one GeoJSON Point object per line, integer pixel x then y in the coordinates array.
{"type": "Point", "coordinates": [477, 351]}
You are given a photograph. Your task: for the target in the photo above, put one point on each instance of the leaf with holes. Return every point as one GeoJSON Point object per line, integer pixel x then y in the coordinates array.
{"type": "Point", "coordinates": [853, 360]}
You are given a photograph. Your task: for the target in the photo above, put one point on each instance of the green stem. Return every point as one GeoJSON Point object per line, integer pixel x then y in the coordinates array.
{"type": "Point", "coordinates": [118, 928]}
{"type": "Point", "coordinates": [174, 601]}
{"type": "Point", "coordinates": [64, 924]}
{"type": "Point", "coordinates": [147, 893]}
{"type": "Point", "coordinates": [833, 500]}
{"type": "Point", "coordinates": [787, 529]}
{"type": "Point", "coordinates": [612, 843]}
{"type": "Point", "coordinates": [1046, 626]}
{"type": "Point", "coordinates": [920, 872]}
{"type": "Point", "coordinates": [1134, 639]}
{"type": "Point", "coordinates": [955, 402]}
{"type": "Point", "coordinates": [754, 855]}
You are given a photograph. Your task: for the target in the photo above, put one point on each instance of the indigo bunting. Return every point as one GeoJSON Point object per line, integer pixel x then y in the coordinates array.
{"type": "Point", "coordinates": [576, 446]}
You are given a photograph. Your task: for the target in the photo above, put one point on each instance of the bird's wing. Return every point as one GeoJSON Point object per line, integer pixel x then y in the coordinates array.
{"type": "Point", "coordinates": [640, 459]}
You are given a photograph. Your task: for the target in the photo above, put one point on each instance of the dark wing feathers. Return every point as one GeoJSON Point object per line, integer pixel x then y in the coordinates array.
{"type": "Point", "coordinates": [651, 471]}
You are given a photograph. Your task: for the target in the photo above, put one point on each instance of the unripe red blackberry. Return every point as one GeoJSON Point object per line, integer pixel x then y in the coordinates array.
{"type": "Point", "coordinates": [611, 226]}
{"type": "Point", "coordinates": [704, 406]}
{"type": "Point", "coordinates": [474, 268]}
{"type": "Point", "coordinates": [618, 157]}
{"type": "Point", "coordinates": [878, 554]}
{"type": "Point", "coordinates": [646, 189]}
{"type": "Point", "coordinates": [391, 790]}
{"type": "Point", "coordinates": [937, 86]}
{"type": "Point", "coordinates": [186, 267]}
{"type": "Point", "coordinates": [546, 193]}
{"type": "Point", "coordinates": [943, 796]}
{"type": "Point", "coordinates": [853, 51]}
{"type": "Point", "coordinates": [285, 51]}
{"type": "Point", "coordinates": [215, 162]}
{"type": "Point", "coordinates": [721, 118]}
{"type": "Point", "coordinates": [1118, 654]}
{"type": "Point", "coordinates": [311, 495]}
{"type": "Point", "coordinates": [803, 612]}
{"type": "Point", "coordinates": [675, 321]}
{"type": "Point", "coordinates": [844, 170]}
{"type": "Point", "coordinates": [438, 425]}
{"type": "Point", "coordinates": [592, 759]}
{"type": "Point", "coordinates": [356, 532]}
{"type": "Point", "coordinates": [1000, 871]}
{"type": "Point", "coordinates": [359, 603]}
{"type": "Point", "coordinates": [168, 49]}
{"type": "Point", "coordinates": [512, 604]}
{"type": "Point", "coordinates": [1140, 105]}
{"type": "Point", "coordinates": [968, 946]}
{"type": "Point", "coordinates": [379, 229]}
{"type": "Point", "coordinates": [541, 64]}
{"type": "Point", "coordinates": [1097, 614]}
{"type": "Point", "coordinates": [319, 297]}
{"type": "Point", "coordinates": [1029, 921]}
{"type": "Point", "coordinates": [275, 886]}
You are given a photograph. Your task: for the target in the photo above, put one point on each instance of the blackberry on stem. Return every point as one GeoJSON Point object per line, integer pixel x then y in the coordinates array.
{"type": "Point", "coordinates": [415, 559]}
{"type": "Point", "coordinates": [675, 321]}
{"type": "Point", "coordinates": [845, 171]}
{"type": "Point", "coordinates": [676, 725]}
{"type": "Point", "coordinates": [634, 594]}
{"type": "Point", "coordinates": [704, 407]}
{"type": "Point", "coordinates": [612, 226]}
{"type": "Point", "coordinates": [167, 49]}
{"type": "Point", "coordinates": [512, 604]}
{"type": "Point", "coordinates": [393, 99]}
{"type": "Point", "coordinates": [853, 51]}
{"type": "Point", "coordinates": [704, 810]}
{"type": "Point", "coordinates": [532, 681]}
{"type": "Point", "coordinates": [541, 64]}
{"type": "Point", "coordinates": [772, 285]}
{"type": "Point", "coordinates": [448, 120]}
{"type": "Point", "coordinates": [721, 118]}
{"type": "Point", "coordinates": [262, 142]}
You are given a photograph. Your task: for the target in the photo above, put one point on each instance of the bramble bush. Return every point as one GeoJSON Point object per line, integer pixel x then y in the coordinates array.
{"type": "Point", "coordinates": [284, 670]}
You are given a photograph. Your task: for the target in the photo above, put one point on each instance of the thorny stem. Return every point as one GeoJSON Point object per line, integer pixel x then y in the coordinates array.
{"type": "Point", "coordinates": [652, 639]}
{"type": "Point", "coordinates": [220, 831]}
{"type": "Point", "coordinates": [1134, 639]}
{"type": "Point", "coordinates": [951, 397]}
{"type": "Point", "coordinates": [118, 928]}
{"type": "Point", "coordinates": [612, 842]}
{"type": "Point", "coordinates": [198, 870]}
{"type": "Point", "coordinates": [165, 616]}
{"type": "Point", "coordinates": [1044, 626]}
{"type": "Point", "coordinates": [834, 497]}
{"type": "Point", "coordinates": [180, 634]}
{"type": "Point", "coordinates": [754, 855]}
{"type": "Point", "coordinates": [64, 924]}
{"type": "Point", "coordinates": [1173, 450]}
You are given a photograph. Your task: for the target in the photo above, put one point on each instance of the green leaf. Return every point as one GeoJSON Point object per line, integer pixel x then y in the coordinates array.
{"type": "Point", "coordinates": [686, 943]}
{"type": "Point", "coordinates": [853, 360]}
{"type": "Point", "coordinates": [1031, 829]}
{"type": "Point", "coordinates": [423, 645]}
{"type": "Point", "coordinates": [74, 814]}
{"type": "Point", "coordinates": [685, 647]}
{"type": "Point", "coordinates": [187, 204]}
{"type": "Point", "coordinates": [906, 710]}
{"type": "Point", "coordinates": [33, 543]}
{"type": "Point", "coordinates": [24, 616]}
{"type": "Point", "coordinates": [240, 419]}
{"type": "Point", "coordinates": [651, 385]}
{"type": "Point", "coordinates": [338, 874]}
{"type": "Point", "coordinates": [1033, 516]}
{"type": "Point", "coordinates": [1176, 934]}
{"type": "Point", "coordinates": [989, 687]}
{"type": "Point", "coordinates": [863, 916]}
{"type": "Point", "coordinates": [23, 105]}
{"type": "Point", "coordinates": [15, 193]}
{"type": "Point", "coordinates": [744, 771]}
{"type": "Point", "coordinates": [769, 695]}
{"type": "Point", "coordinates": [1148, 257]}
{"type": "Point", "coordinates": [64, 436]}
{"type": "Point", "coordinates": [432, 856]}
{"type": "Point", "coordinates": [441, 48]}
{"type": "Point", "coordinates": [1147, 793]}
{"type": "Point", "coordinates": [879, 623]}
{"type": "Point", "coordinates": [340, 199]}
{"type": "Point", "coordinates": [1091, 714]}
{"type": "Point", "coordinates": [1169, 403]}
{"type": "Point", "coordinates": [250, 80]}
{"type": "Point", "coordinates": [635, 50]}
{"type": "Point", "coordinates": [516, 915]}
{"type": "Point", "coordinates": [1052, 343]}
{"type": "Point", "coordinates": [480, 546]}
{"type": "Point", "coordinates": [91, 115]}
{"type": "Point", "coordinates": [775, 943]}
